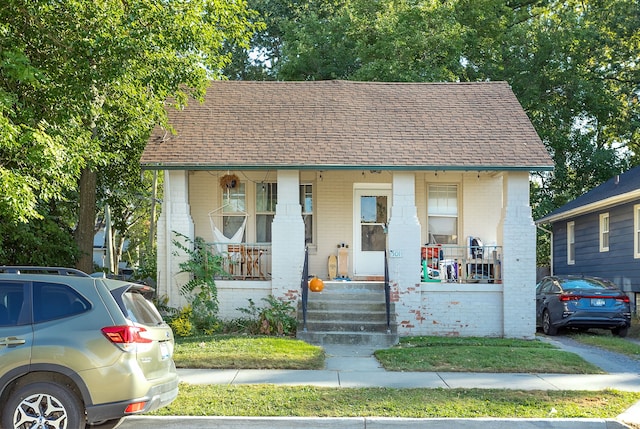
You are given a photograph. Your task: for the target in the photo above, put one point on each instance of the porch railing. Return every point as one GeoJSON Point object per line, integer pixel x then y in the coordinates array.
{"type": "Point", "coordinates": [387, 291]}
{"type": "Point", "coordinates": [461, 264]}
{"type": "Point", "coordinates": [304, 286]}
{"type": "Point", "coordinates": [244, 261]}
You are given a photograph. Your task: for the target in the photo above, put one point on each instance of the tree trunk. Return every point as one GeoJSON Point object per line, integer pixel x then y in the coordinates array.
{"type": "Point", "coordinates": [86, 220]}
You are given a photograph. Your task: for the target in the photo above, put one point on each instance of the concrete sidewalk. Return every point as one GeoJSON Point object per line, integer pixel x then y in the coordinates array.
{"type": "Point", "coordinates": [350, 366]}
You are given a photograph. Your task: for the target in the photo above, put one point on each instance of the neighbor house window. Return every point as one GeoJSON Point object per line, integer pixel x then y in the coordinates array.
{"type": "Point", "coordinates": [234, 212]}
{"type": "Point", "coordinates": [571, 243]}
{"type": "Point", "coordinates": [442, 211]}
{"type": "Point", "coordinates": [306, 201]}
{"type": "Point", "coordinates": [604, 232]}
{"type": "Point", "coordinates": [636, 231]}
{"type": "Point", "coordinates": [266, 199]}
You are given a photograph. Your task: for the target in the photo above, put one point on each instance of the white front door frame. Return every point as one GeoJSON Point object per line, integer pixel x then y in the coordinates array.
{"type": "Point", "coordinates": [369, 262]}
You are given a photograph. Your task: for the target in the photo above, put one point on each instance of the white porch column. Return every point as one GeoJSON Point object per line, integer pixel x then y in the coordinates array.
{"type": "Point", "coordinates": [519, 258]}
{"type": "Point", "coordinates": [175, 217]}
{"type": "Point", "coordinates": [287, 238]}
{"type": "Point", "coordinates": [404, 253]}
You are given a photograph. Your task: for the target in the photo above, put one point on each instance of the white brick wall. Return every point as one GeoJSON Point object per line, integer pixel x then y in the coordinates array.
{"type": "Point", "coordinates": [519, 261]}
{"type": "Point", "coordinates": [287, 232]}
{"type": "Point", "coordinates": [233, 295]}
{"type": "Point", "coordinates": [453, 309]}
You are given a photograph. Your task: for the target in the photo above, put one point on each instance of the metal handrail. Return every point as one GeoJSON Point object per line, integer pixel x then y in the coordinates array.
{"type": "Point", "coordinates": [387, 291]}
{"type": "Point", "coordinates": [304, 285]}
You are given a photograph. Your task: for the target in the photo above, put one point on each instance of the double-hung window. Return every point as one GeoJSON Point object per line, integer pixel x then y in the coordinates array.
{"type": "Point", "coordinates": [636, 231]}
{"type": "Point", "coordinates": [234, 212]}
{"type": "Point", "coordinates": [571, 243]}
{"type": "Point", "coordinates": [442, 210]}
{"type": "Point", "coordinates": [266, 200]}
{"type": "Point", "coordinates": [604, 232]}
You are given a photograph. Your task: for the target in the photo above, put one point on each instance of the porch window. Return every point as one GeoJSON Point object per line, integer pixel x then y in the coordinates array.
{"type": "Point", "coordinates": [266, 199]}
{"type": "Point", "coordinates": [234, 211]}
{"type": "Point", "coordinates": [306, 201]}
{"type": "Point", "coordinates": [571, 243]}
{"type": "Point", "coordinates": [442, 210]}
{"type": "Point", "coordinates": [604, 232]}
{"type": "Point", "coordinates": [636, 231]}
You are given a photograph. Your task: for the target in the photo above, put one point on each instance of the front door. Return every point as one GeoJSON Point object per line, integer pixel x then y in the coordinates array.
{"type": "Point", "coordinates": [372, 205]}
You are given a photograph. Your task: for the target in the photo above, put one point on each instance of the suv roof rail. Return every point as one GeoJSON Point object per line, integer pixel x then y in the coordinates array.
{"type": "Point", "coordinates": [42, 270]}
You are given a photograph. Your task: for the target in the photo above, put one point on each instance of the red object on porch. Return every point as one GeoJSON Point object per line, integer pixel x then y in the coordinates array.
{"type": "Point", "coordinates": [430, 252]}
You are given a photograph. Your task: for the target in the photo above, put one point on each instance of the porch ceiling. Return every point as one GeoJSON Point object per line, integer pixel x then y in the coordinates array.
{"type": "Point", "coordinates": [350, 125]}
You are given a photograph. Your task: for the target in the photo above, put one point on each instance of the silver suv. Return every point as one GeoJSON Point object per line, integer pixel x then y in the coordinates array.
{"type": "Point", "coordinates": [78, 351]}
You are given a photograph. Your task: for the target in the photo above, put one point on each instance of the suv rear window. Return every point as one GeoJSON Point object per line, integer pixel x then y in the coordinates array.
{"type": "Point", "coordinates": [54, 301]}
{"type": "Point", "coordinates": [140, 310]}
{"type": "Point", "coordinates": [11, 298]}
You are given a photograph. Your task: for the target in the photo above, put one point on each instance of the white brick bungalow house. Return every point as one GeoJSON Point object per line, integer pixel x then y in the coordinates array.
{"type": "Point", "coordinates": [370, 165]}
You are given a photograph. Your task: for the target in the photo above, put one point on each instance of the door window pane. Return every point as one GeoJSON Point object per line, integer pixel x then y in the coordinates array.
{"type": "Point", "coordinates": [373, 217]}
{"type": "Point", "coordinates": [306, 201]}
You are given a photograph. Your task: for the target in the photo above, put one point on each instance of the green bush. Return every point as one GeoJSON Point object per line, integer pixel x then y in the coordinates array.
{"type": "Point", "coordinates": [200, 291]}
{"type": "Point", "coordinates": [277, 318]}
{"type": "Point", "coordinates": [181, 324]}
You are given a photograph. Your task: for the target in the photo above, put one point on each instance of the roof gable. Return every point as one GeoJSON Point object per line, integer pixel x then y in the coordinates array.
{"type": "Point", "coordinates": [618, 189]}
{"type": "Point", "coordinates": [344, 124]}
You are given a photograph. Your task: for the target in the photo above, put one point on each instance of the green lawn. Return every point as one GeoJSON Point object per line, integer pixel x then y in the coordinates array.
{"type": "Point", "coordinates": [481, 355]}
{"type": "Point", "coordinates": [266, 400]}
{"type": "Point", "coordinates": [412, 354]}
{"type": "Point", "coordinates": [222, 351]}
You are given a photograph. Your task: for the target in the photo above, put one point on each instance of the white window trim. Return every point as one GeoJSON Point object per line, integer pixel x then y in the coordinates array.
{"type": "Point", "coordinates": [604, 224]}
{"type": "Point", "coordinates": [457, 216]}
{"type": "Point", "coordinates": [571, 242]}
{"type": "Point", "coordinates": [313, 243]}
{"type": "Point", "coordinates": [636, 231]}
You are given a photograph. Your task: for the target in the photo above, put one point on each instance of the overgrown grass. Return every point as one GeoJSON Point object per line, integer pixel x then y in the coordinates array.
{"type": "Point", "coordinates": [264, 400]}
{"type": "Point", "coordinates": [447, 354]}
{"type": "Point", "coordinates": [219, 351]}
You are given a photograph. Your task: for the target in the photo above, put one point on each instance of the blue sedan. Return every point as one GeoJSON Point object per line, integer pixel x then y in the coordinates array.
{"type": "Point", "coordinates": [581, 302]}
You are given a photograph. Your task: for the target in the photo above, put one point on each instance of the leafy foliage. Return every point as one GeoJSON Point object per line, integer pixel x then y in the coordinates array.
{"type": "Point", "coordinates": [200, 291]}
{"type": "Point", "coordinates": [573, 65]}
{"type": "Point", "coordinates": [82, 84]}
{"type": "Point", "coordinates": [276, 318]}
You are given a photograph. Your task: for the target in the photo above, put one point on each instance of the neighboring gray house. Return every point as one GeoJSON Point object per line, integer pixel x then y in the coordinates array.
{"type": "Point", "coordinates": [263, 170]}
{"type": "Point", "coordinates": [598, 233]}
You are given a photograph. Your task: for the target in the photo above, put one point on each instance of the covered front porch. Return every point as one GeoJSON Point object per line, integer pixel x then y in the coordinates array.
{"type": "Point", "coordinates": [436, 288]}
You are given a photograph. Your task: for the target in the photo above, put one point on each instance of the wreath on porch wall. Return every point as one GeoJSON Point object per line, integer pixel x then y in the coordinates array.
{"type": "Point", "coordinates": [229, 181]}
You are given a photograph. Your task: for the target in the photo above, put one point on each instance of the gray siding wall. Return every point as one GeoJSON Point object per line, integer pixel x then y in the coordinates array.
{"type": "Point", "coordinates": [618, 264]}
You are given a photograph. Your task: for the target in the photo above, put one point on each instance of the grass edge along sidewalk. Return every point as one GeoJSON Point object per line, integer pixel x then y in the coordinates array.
{"type": "Point", "coordinates": [269, 400]}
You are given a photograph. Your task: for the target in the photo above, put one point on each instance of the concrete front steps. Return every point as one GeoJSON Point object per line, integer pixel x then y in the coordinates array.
{"type": "Point", "coordinates": [349, 313]}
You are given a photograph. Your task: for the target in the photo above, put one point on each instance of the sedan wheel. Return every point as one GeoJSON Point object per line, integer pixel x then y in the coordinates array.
{"type": "Point", "coordinates": [547, 326]}
{"type": "Point", "coordinates": [620, 332]}
{"type": "Point", "coordinates": [43, 405]}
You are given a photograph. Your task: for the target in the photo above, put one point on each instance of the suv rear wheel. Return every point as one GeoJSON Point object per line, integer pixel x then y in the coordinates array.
{"type": "Point", "coordinates": [43, 404]}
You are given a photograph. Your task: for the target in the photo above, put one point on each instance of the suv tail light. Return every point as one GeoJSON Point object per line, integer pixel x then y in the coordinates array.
{"type": "Point", "coordinates": [125, 335]}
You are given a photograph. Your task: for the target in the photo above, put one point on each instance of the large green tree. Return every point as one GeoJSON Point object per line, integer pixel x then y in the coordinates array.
{"type": "Point", "coordinates": [574, 65]}
{"type": "Point", "coordinates": [83, 82]}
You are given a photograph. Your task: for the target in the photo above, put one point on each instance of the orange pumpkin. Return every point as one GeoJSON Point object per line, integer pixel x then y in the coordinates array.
{"type": "Point", "coordinates": [316, 285]}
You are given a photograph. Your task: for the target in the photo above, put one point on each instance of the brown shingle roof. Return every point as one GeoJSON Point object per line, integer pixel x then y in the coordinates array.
{"type": "Point", "coordinates": [343, 124]}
